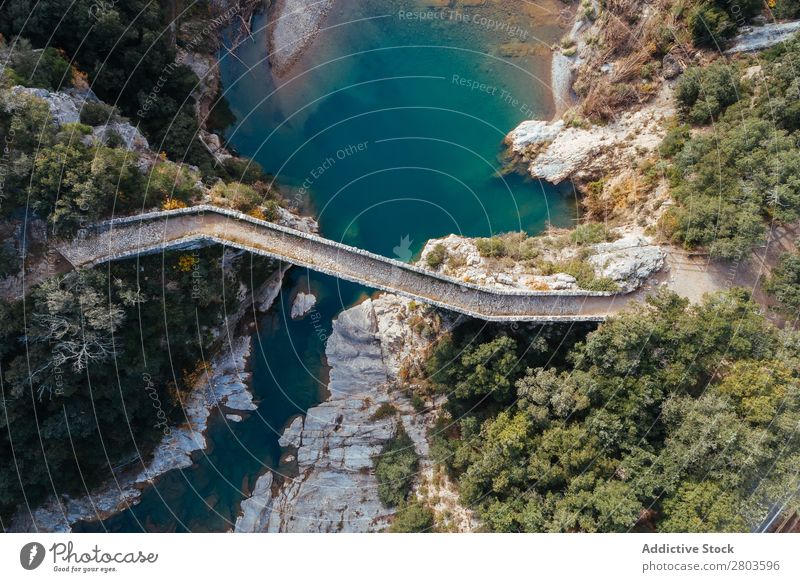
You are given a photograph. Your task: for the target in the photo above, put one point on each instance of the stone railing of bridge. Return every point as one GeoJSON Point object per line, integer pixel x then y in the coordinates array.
{"type": "Point", "coordinates": [195, 226]}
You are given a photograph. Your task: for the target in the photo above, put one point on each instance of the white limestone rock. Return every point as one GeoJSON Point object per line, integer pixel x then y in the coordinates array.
{"type": "Point", "coordinates": [256, 506]}
{"type": "Point", "coordinates": [302, 223]}
{"type": "Point", "coordinates": [335, 489]}
{"type": "Point", "coordinates": [756, 38]}
{"type": "Point", "coordinates": [303, 303]}
{"type": "Point", "coordinates": [629, 261]}
{"type": "Point", "coordinates": [131, 136]}
{"type": "Point", "coordinates": [555, 152]}
{"type": "Point", "coordinates": [64, 107]}
{"type": "Point", "coordinates": [292, 435]}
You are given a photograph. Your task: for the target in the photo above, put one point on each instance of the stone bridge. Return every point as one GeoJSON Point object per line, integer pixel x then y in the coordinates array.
{"type": "Point", "coordinates": [154, 232]}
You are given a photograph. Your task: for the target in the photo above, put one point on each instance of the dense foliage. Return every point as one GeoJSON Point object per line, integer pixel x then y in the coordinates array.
{"type": "Point", "coordinates": [395, 468]}
{"type": "Point", "coordinates": [745, 169]}
{"type": "Point", "coordinates": [128, 51]}
{"type": "Point", "coordinates": [784, 284]}
{"type": "Point", "coordinates": [669, 417]}
{"type": "Point", "coordinates": [412, 517]}
{"type": "Point", "coordinates": [93, 363]}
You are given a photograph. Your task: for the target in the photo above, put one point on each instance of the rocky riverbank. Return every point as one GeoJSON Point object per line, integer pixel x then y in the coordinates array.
{"type": "Point", "coordinates": [628, 259]}
{"type": "Point", "coordinates": [224, 385]}
{"type": "Point", "coordinates": [327, 483]}
{"type": "Point", "coordinates": [293, 26]}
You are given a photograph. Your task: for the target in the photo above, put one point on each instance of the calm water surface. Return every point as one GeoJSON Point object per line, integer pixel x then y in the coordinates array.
{"type": "Point", "coordinates": [390, 130]}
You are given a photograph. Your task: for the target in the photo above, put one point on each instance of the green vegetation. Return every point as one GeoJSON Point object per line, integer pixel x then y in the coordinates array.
{"type": "Point", "coordinates": [129, 56]}
{"type": "Point", "coordinates": [784, 283]}
{"type": "Point", "coordinates": [82, 389]}
{"type": "Point", "coordinates": [437, 256]}
{"type": "Point", "coordinates": [395, 469]}
{"type": "Point", "coordinates": [45, 68]}
{"type": "Point", "coordinates": [96, 114]}
{"type": "Point", "coordinates": [643, 39]}
{"type": "Point", "coordinates": [412, 517]}
{"type": "Point", "coordinates": [493, 247]}
{"type": "Point", "coordinates": [669, 417]}
{"type": "Point", "coordinates": [591, 233]}
{"type": "Point", "coordinates": [71, 180]}
{"type": "Point", "coordinates": [702, 93]}
{"type": "Point", "coordinates": [385, 410]}
{"type": "Point", "coordinates": [729, 179]}
{"type": "Point", "coordinates": [517, 246]}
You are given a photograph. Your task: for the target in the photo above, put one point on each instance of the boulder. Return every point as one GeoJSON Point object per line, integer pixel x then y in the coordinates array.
{"type": "Point", "coordinates": [303, 303]}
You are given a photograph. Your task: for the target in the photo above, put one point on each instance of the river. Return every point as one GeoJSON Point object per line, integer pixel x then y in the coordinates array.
{"type": "Point", "coordinates": [389, 129]}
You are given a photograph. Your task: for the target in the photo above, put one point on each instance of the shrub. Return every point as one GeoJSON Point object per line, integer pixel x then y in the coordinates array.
{"type": "Point", "coordinates": [270, 210]}
{"type": "Point", "coordinates": [10, 262]}
{"type": "Point", "coordinates": [168, 180]}
{"type": "Point", "coordinates": [493, 247]}
{"type": "Point", "coordinates": [710, 25]}
{"type": "Point", "coordinates": [385, 410]}
{"type": "Point", "coordinates": [95, 114]}
{"type": "Point", "coordinates": [395, 468]}
{"type": "Point", "coordinates": [246, 171]}
{"type": "Point", "coordinates": [237, 195]}
{"type": "Point", "coordinates": [412, 517]}
{"type": "Point", "coordinates": [703, 93]}
{"type": "Point", "coordinates": [784, 283]}
{"type": "Point", "coordinates": [591, 233]}
{"type": "Point", "coordinates": [46, 68]}
{"type": "Point", "coordinates": [437, 256]}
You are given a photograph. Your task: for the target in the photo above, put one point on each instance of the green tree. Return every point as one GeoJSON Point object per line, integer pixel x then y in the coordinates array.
{"type": "Point", "coordinates": [784, 283]}
{"type": "Point", "coordinates": [395, 468]}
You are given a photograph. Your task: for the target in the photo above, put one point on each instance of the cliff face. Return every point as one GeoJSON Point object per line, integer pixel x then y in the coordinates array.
{"type": "Point", "coordinates": [332, 487]}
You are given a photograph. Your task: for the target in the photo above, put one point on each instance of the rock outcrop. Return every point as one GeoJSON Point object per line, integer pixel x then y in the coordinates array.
{"type": "Point", "coordinates": [65, 107]}
{"type": "Point", "coordinates": [333, 487]}
{"type": "Point", "coordinates": [302, 304]}
{"type": "Point", "coordinates": [756, 38]}
{"type": "Point", "coordinates": [629, 261]}
{"type": "Point", "coordinates": [293, 26]}
{"type": "Point", "coordinates": [556, 151]}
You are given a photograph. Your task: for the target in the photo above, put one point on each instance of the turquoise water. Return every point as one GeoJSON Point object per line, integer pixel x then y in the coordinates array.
{"type": "Point", "coordinates": [383, 134]}
{"type": "Point", "coordinates": [288, 377]}
{"type": "Point", "coordinates": [384, 141]}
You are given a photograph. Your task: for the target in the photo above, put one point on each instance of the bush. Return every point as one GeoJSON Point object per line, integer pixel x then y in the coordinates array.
{"type": "Point", "coordinates": [46, 68]}
{"type": "Point", "coordinates": [710, 25]}
{"type": "Point", "coordinates": [167, 180]}
{"type": "Point", "coordinates": [239, 196]}
{"type": "Point", "coordinates": [385, 410]}
{"type": "Point", "coordinates": [437, 256]}
{"type": "Point", "coordinates": [591, 233]}
{"type": "Point", "coordinates": [270, 210]}
{"type": "Point", "coordinates": [784, 283]}
{"type": "Point", "coordinates": [95, 114]}
{"type": "Point", "coordinates": [584, 275]}
{"type": "Point", "coordinates": [491, 247]}
{"type": "Point", "coordinates": [395, 468]}
{"type": "Point", "coordinates": [412, 517]}
{"type": "Point", "coordinates": [10, 262]}
{"type": "Point", "coordinates": [245, 171]}
{"type": "Point", "coordinates": [703, 93]}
